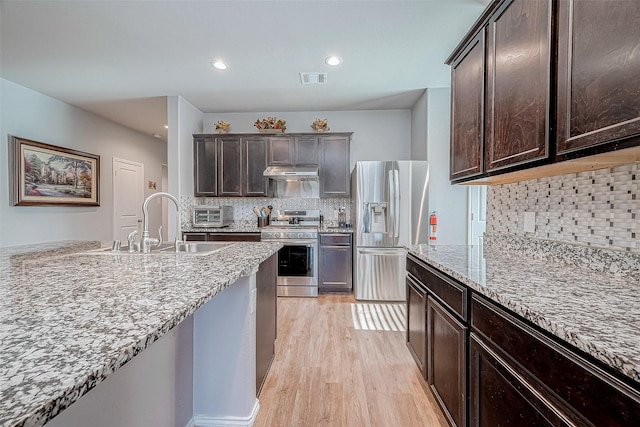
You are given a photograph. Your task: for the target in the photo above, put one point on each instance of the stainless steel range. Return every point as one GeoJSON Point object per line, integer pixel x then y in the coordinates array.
{"type": "Point", "coordinates": [297, 230]}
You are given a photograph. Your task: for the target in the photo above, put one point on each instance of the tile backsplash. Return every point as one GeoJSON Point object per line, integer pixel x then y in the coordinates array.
{"type": "Point", "coordinates": [599, 208]}
{"type": "Point", "coordinates": [243, 206]}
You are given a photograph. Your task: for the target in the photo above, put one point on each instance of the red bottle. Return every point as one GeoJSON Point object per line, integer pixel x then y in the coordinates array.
{"type": "Point", "coordinates": [433, 225]}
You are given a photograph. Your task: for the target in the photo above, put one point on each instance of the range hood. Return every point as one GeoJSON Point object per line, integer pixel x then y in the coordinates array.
{"type": "Point", "coordinates": [290, 173]}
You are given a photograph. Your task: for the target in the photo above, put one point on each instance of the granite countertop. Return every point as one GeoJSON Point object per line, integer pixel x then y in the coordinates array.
{"type": "Point", "coordinates": [68, 320]}
{"type": "Point", "coordinates": [596, 311]}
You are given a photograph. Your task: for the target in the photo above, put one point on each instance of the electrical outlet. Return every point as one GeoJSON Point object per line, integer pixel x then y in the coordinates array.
{"type": "Point", "coordinates": [529, 222]}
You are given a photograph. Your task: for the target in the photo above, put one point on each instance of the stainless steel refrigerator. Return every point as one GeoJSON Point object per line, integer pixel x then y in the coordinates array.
{"type": "Point", "coordinates": [388, 212]}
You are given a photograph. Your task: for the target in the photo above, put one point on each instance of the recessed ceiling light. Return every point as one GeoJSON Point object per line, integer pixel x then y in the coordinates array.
{"type": "Point", "coordinates": [166, 126]}
{"type": "Point", "coordinates": [218, 64]}
{"type": "Point", "coordinates": [333, 60]}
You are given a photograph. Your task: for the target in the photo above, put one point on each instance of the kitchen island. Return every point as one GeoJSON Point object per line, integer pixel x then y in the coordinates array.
{"type": "Point", "coordinates": [69, 320]}
{"type": "Point", "coordinates": [548, 329]}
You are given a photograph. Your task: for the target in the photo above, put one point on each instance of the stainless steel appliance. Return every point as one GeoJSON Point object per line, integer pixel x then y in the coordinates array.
{"type": "Point", "coordinates": [388, 212]}
{"type": "Point", "coordinates": [212, 216]}
{"type": "Point", "coordinates": [298, 259]}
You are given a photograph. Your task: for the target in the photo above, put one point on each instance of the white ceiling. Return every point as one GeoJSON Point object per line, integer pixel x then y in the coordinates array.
{"type": "Point", "coordinates": [120, 59]}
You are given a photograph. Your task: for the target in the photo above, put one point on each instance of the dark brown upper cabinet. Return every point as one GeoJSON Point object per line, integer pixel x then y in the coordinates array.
{"type": "Point", "coordinates": [598, 95]}
{"type": "Point", "coordinates": [293, 150]}
{"type": "Point", "coordinates": [230, 166]}
{"type": "Point", "coordinates": [254, 162]}
{"type": "Point", "coordinates": [306, 151]}
{"type": "Point", "coordinates": [205, 169]}
{"type": "Point", "coordinates": [335, 166]}
{"type": "Point", "coordinates": [280, 150]}
{"type": "Point", "coordinates": [560, 83]}
{"type": "Point", "coordinates": [518, 84]}
{"type": "Point", "coordinates": [467, 110]}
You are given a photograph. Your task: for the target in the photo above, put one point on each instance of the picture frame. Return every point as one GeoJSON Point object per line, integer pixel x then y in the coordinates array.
{"type": "Point", "coordinates": [47, 175]}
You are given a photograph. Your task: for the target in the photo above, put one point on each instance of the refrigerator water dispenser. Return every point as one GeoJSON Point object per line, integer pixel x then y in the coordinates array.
{"type": "Point", "coordinates": [375, 217]}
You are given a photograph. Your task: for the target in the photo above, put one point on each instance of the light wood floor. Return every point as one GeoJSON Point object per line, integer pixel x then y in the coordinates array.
{"type": "Point", "coordinates": [328, 373]}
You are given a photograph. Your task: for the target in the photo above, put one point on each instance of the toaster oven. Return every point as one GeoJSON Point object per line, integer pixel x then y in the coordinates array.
{"type": "Point", "coordinates": [212, 216]}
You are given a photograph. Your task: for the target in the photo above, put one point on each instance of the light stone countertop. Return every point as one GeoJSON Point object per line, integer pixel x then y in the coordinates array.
{"type": "Point", "coordinates": [68, 320]}
{"type": "Point", "coordinates": [595, 311]}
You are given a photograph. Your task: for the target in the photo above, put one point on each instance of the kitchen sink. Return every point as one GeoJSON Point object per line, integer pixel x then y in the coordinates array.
{"type": "Point", "coordinates": [195, 248]}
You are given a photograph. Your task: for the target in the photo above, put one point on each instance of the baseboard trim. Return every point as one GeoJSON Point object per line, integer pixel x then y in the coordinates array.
{"type": "Point", "coordinates": [208, 421]}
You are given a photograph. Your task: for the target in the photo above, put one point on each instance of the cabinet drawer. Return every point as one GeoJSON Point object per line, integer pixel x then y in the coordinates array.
{"type": "Point", "coordinates": [195, 237]}
{"type": "Point", "coordinates": [234, 237]}
{"type": "Point", "coordinates": [453, 295]}
{"type": "Point", "coordinates": [335, 239]}
{"type": "Point", "coordinates": [590, 394]}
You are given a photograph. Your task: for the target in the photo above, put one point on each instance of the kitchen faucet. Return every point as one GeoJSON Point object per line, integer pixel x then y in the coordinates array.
{"type": "Point", "coordinates": [145, 240]}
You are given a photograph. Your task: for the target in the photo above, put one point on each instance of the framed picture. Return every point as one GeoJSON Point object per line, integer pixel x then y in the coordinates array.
{"type": "Point", "coordinates": [47, 175]}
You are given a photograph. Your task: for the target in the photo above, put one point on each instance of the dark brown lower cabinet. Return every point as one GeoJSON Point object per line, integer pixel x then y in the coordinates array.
{"type": "Point", "coordinates": [221, 237]}
{"type": "Point", "coordinates": [335, 268]}
{"type": "Point", "coordinates": [582, 392]}
{"type": "Point", "coordinates": [417, 323]}
{"type": "Point", "coordinates": [266, 318]}
{"type": "Point", "coordinates": [489, 367]}
{"type": "Point", "coordinates": [195, 237]}
{"type": "Point", "coordinates": [499, 397]}
{"type": "Point", "coordinates": [447, 361]}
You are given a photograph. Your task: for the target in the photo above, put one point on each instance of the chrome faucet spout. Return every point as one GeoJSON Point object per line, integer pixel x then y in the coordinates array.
{"type": "Point", "coordinates": [145, 240]}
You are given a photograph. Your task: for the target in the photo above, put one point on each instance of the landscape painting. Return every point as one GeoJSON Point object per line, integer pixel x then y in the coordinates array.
{"type": "Point", "coordinates": [53, 176]}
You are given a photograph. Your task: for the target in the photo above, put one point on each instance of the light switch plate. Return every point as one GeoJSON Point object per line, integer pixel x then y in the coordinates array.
{"type": "Point", "coordinates": [529, 222]}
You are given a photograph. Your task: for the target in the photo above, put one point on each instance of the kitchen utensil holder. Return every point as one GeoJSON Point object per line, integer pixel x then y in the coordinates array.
{"type": "Point", "coordinates": [263, 221]}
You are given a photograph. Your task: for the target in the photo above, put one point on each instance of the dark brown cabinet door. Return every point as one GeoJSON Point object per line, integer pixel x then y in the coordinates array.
{"type": "Point", "coordinates": [598, 99]}
{"type": "Point", "coordinates": [518, 84]}
{"type": "Point", "coordinates": [447, 361]}
{"type": "Point", "coordinates": [229, 167]}
{"type": "Point", "coordinates": [253, 166]}
{"type": "Point", "coordinates": [335, 265]}
{"type": "Point", "coordinates": [467, 111]}
{"type": "Point", "coordinates": [281, 151]}
{"type": "Point", "coordinates": [266, 318]}
{"type": "Point", "coordinates": [306, 150]}
{"type": "Point", "coordinates": [417, 323]}
{"type": "Point", "coordinates": [498, 397]}
{"type": "Point", "coordinates": [334, 166]}
{"type": "Point", "coordinates": [205, 167]}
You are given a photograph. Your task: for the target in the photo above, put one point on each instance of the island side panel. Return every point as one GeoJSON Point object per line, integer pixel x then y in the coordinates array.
{"type": "Point", "coordinates": [224, 368]}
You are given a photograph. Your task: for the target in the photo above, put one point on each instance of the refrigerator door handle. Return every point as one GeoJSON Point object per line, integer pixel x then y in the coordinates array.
{"type": "Point", "coordinates": [366, 219]}
{"type": "Point", "coordinates": [394, 199]}
{"type": "Point", "coordinates": [391, 220]}
{"type": "Point", "coordinates": [396, 202]}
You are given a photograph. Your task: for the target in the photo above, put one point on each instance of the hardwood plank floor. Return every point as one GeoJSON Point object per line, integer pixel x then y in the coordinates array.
{"type": "Point", "coordinates": [334, 367]}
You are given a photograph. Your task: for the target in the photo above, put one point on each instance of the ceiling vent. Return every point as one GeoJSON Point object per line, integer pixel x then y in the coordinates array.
{"type": "Point", "coordinates": [313, 78]}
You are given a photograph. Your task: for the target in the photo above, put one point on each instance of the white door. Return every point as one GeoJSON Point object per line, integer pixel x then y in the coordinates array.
{"type": "Point", "coordinates": [477, 213]}
{"type": "Point", "coordinates": [128, 196]}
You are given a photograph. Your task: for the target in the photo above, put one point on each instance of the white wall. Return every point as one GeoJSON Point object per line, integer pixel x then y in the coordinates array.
{"type": "Point", "coordinates": [449, 201]}
{"type": "Point", "coordinates": [377, 134]}
{"type": "Point", "coordinates": [183, 120]}
{"type": "Point", "coordinates": [32, 115]}
{"type": "Point", "coordinates": [419, 114]}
